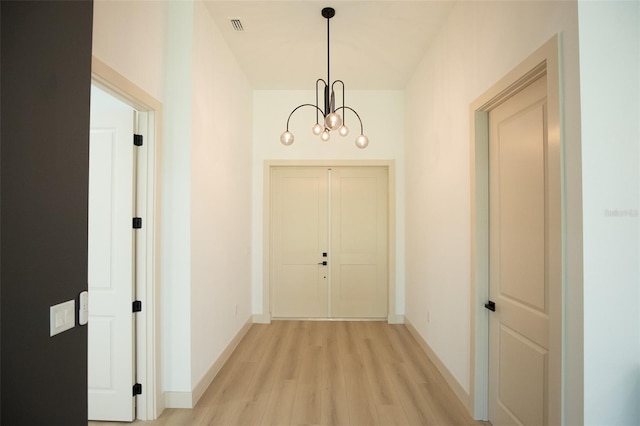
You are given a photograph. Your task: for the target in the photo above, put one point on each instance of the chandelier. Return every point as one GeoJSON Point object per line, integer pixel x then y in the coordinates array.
{"type": "Point", "coordinates": [331, 119]}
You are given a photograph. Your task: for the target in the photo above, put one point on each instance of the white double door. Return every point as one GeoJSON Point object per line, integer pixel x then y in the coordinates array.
{"type": "Point", "coordinates": [329, 242]}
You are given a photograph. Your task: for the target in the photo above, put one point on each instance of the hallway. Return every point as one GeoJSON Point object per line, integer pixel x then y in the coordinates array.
{"type": "Point", "coordinates": [324, 373]}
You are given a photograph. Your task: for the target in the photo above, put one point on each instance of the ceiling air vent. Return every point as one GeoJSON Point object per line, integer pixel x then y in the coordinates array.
{"type": "Point", "coordinates": [236, 24]}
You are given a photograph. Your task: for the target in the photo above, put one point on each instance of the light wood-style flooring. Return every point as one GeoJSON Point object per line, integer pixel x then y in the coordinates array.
{"type": "Point", "coordinates": [324, 373]}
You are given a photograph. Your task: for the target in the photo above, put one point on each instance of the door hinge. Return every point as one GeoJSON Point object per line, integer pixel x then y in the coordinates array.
{"type": "Point", "coordinates": [137, 389]}
{"type": "Point", "coordinates": [137, 140]}
{"type": "Point", "coordinates": [137, 306]}
{"type": "Point", "coordinates": [490, 305]}
{"type": "Point", "coordinates": [137, 223]}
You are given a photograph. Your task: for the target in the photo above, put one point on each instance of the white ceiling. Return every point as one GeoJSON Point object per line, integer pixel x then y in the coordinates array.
{"type": "Point", "coordinates": [375, 45]}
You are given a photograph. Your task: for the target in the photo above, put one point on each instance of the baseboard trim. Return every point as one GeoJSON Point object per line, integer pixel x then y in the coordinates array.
{"type": "Point", "coordinates": [453, 383]}
{"type": "Point", "coordinates": [175, 399]}
{"type": "Point", "coordinates": [395, 319]}
{"type": "Point", "coordinates": [190, 399]}
{"type": "Point", "coordinates": [261, 318]}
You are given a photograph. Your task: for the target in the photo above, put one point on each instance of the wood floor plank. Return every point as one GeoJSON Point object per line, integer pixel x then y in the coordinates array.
{"type": "Point", "coordinates": [416, 407]}
{"type": "Point", "coordinates": [256, 397]}
{"type": "Point", "coordinates": [236, 386]}
{"type": "Point", "coordinates": [308, 399]}
{"type": "Point", "coordinates": [218, 386]}
{"type": "Point", "coordinates": [360, 398]}
{"type": "Point", "coordinates": [324, 373]}
{"type": "Point", "coordinates": [334, 407]}
{"type": "Point", "coordinates": [268, 367]}
{"type": "Point", "coordinates": [280, 405]}
{"type": "Point", "coordinates": [297, 339]}
{"type": "Point", "coordinates": [222, 413]}
{"type": "Point", "coordinates": [255, 337]}
{"type": "Point", "coordinates": [392, 415]}
{"type": "Point", "coordinates": [446, 405]}
{"type": "Point", "coordinates": [383, 389]}
{"type": "Point", "coordinates": [378, 332]}
{"type": "Point", "coordinates": [249, 412]}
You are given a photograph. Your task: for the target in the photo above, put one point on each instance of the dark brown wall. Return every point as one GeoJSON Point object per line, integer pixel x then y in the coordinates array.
{"type": "Point", "coordinates": [45, 86]}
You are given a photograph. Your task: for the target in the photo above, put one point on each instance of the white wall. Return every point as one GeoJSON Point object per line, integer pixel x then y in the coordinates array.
{"type": "Point", "coordinates": [479, 44]}
{"type": "Point", "coordinates": [176, 248]}
{"type": "Point", "coordinates": [131, 36]}
{"type": "Point", "coordinates": [610, 93]}
{"type": "Point", "coordinates": [220, 196]}
{"type": "Point", "coordinates": [173, 51]}
{"type": "Point", "coordinates": [382, 114]}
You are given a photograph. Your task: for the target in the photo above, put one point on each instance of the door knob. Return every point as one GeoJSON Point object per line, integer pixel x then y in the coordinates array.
{"type": "Point", "coordinates": [490, 306]}
{"type": "Point", "coordinates": [322, 263]}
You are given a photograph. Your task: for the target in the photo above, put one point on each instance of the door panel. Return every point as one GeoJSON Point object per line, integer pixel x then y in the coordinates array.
{"type": "Point", "coordinates": [111, 372]}
{"type": "Point", "coordinates": [519, 328]}
{"type": "Point", "coordinates": [341, 211]}
{"type": "Point", "coordinates": [523, 363]}
{"type": "Point", "coordinates": [359, 242]}
{"type": "Point", "coordinates": [299, 215]}
{"type": "Point", "coordinates": [521, 206]}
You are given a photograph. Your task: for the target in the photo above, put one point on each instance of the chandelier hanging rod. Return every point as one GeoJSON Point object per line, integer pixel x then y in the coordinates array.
{"type": "Point", "coordinates": [328, 12]}
{"type": "Point", "coordinates": [331, 119]}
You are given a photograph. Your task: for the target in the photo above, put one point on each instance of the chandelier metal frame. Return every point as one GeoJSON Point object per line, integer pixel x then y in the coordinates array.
{"type": "Point", "coordinates": [331, 119]}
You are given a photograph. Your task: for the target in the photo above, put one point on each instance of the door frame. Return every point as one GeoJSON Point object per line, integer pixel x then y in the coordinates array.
{"type": "Point", "coordinates": [543, 60]}
{"type": "Point", "coordinates": [149, 405]}
{"type": "Point", "coordinates": [392, 316]}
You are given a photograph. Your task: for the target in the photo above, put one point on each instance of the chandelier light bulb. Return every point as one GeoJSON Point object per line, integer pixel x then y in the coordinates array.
{"type": "Point", "coordinates": [317, 129]}
{"type": "Point", "coordinates": [362, 141]}
{"type": "Point", "coordinates": [286, 138]}
{"type": "Point", "coordinates": [333, 121]}
{"type": "Point", "coordinates": [325, 136]}
{"type": "Point", "coordinates": [343, 130]}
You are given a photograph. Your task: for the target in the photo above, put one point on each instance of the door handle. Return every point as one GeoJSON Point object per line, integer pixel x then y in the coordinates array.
{"type": "Point", "coordinates": [490, 306]}
{"type": "Point", "coordinates": [323, 263]}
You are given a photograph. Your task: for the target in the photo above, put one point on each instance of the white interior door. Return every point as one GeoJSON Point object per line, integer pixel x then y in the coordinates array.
{"type": "Point", "coordinates": [519, 267]}
{"type": "Point", "coordinates": [111, 360]}
{"type": "Point", "coordinates": [337, 216]}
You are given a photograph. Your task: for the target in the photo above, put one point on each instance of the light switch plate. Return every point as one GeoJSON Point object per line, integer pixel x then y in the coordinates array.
{"type": "Point", "coordinates": [83, 309]}
{"type": "Point", "coordinates": [62, 317]}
